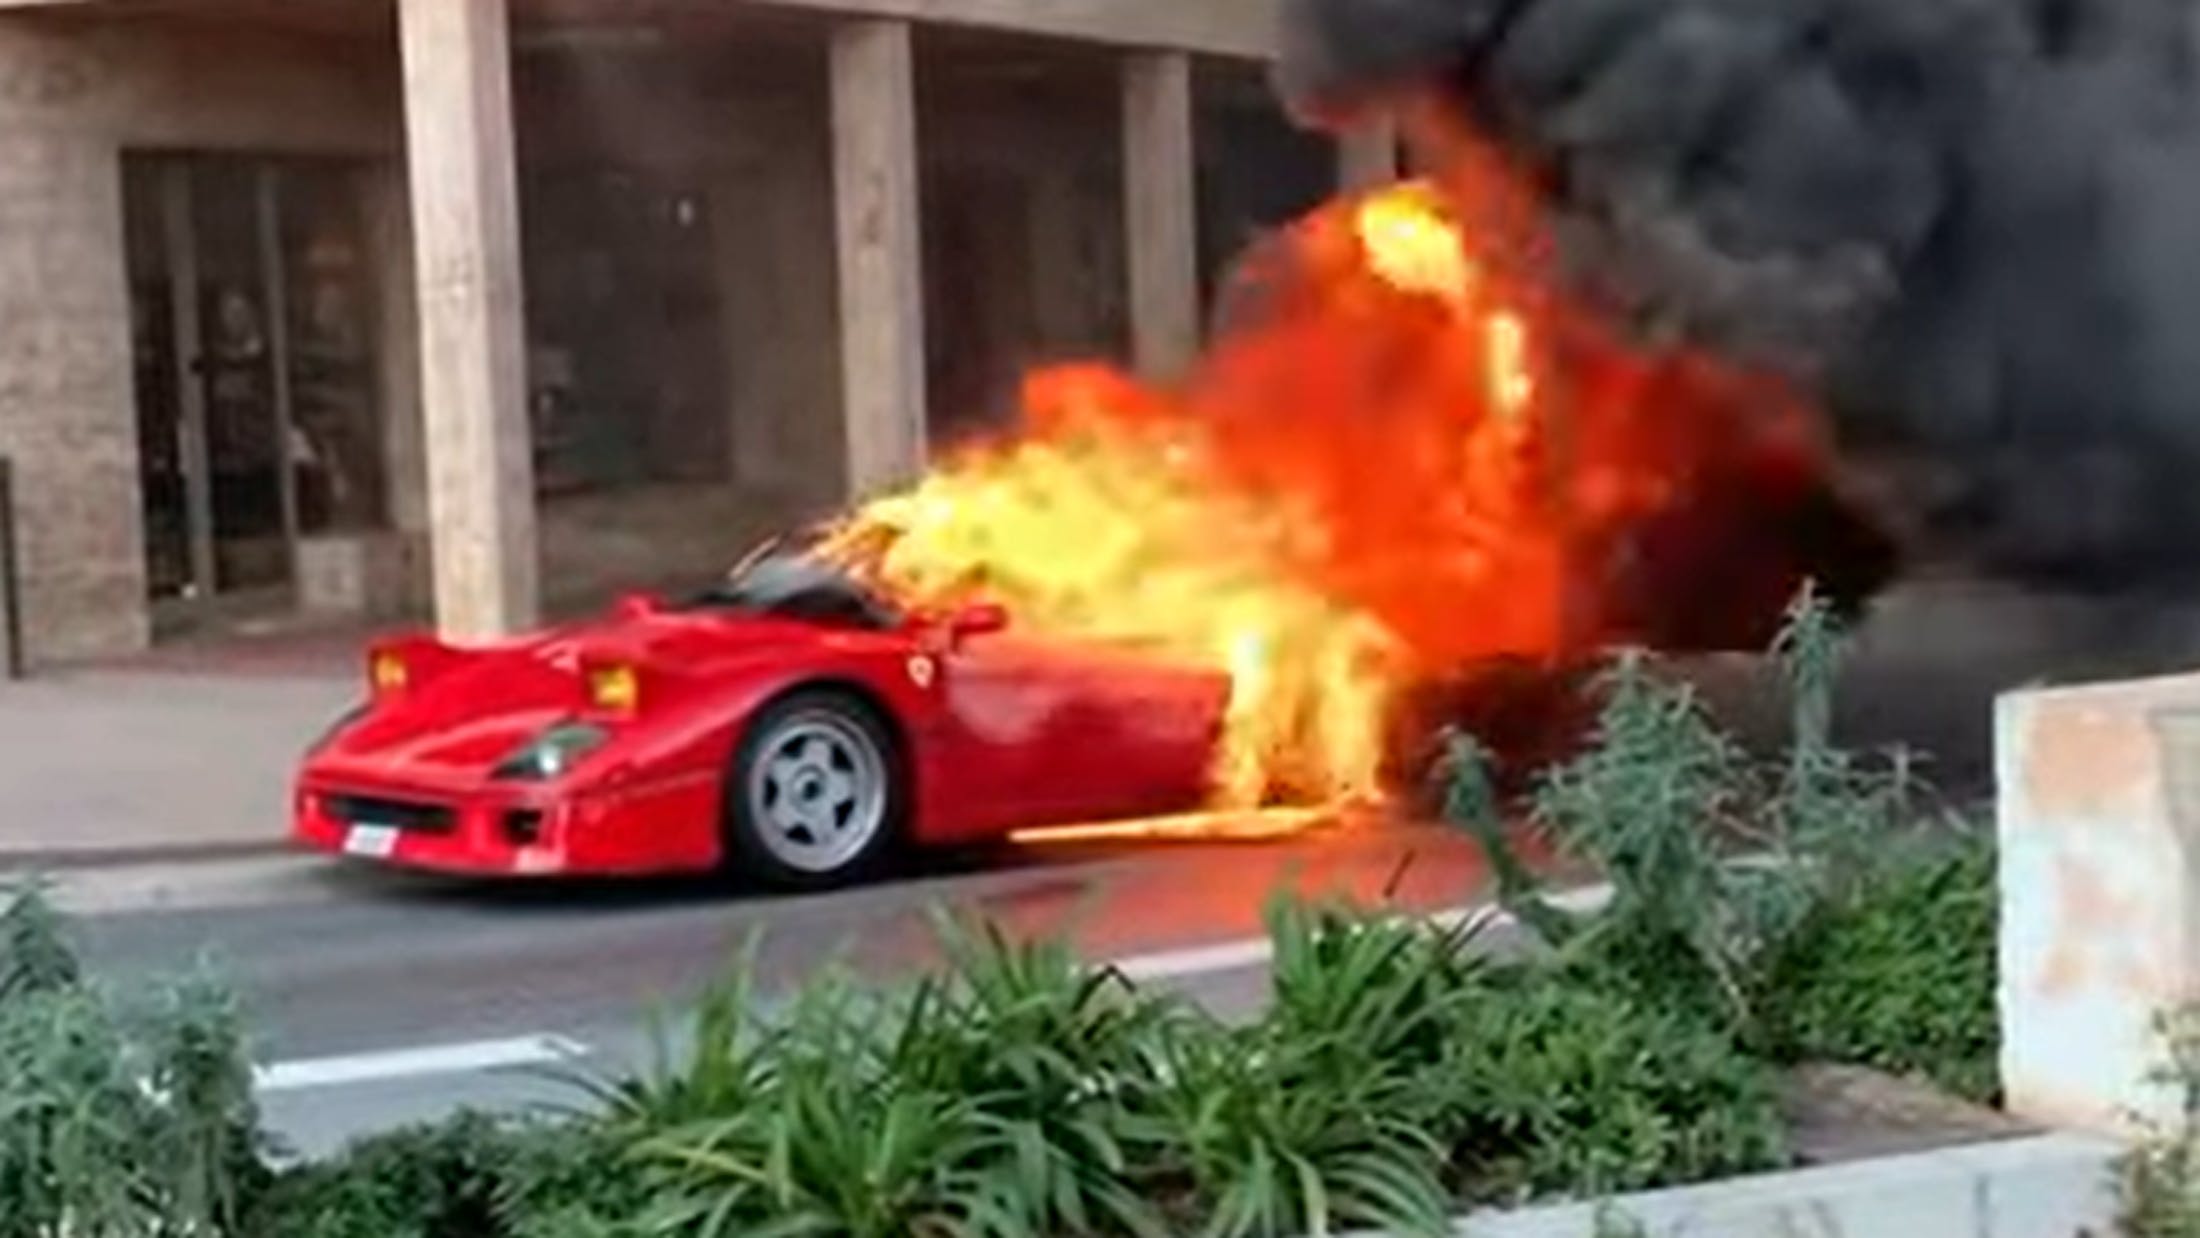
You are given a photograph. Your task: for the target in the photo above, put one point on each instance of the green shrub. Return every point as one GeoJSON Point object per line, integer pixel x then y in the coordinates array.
{"type": "Point", "coordinates": [837, 1143]}
{"type": "Point", "coordinates": [1059, 1059]}
{"type": "Point", "coordinates": [1398, 1068]}
{"type": "Point", "coordinates": [996, 1096]}
{"type": "Point", "coordinates": [725, 1066]}
{"type": "Point", "coordinates": [1564, 1086]}
{"type": "Point", "coordinates": [35, 954]}
{"type": "Point", "coordinates": [1899, 975]}
{"type": "Point", "coordinates": [471, 1175]}
{"type": "Point", "coordinates": [1847, 944]}
{"type": "Point", "coordinates": [1324, 1113]}
{"type": "Point", "coordinates": [117, 1122]}
{"type": "Point", "coordinates": [71, 1118]}
{"type": "Point", "coordinates": [2158, 1179]}
{"type": "Point", "coordinates": [1650, 804]}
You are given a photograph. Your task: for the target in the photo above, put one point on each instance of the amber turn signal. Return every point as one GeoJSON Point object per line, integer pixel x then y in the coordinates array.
{"type": "Point", "coordinates": [614, 688]}
{"type": "Point", "coordinates": [386, 671]}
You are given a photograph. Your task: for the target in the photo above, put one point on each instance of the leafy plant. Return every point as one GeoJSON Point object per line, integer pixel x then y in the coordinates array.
{"type": "Point", "coordinates": [1325, 1112]}
{"type": "Point", "coordinates": [1648, 802]}
{"type": "Point", "coordinates": [1833, 809]}
{"type": "Point", "coordinates": [2158, 1180]}
{"type": "Point", "coordinates": [472, 1175]}
{"type": "Point", "coordinates": [1898, 974]}
{"type": "Point", "coordinates": [1569, 1088]}
{"type": "Point", "coordinates": [1658, 801]}
{"type": "Point", "coordinates": [838, 1149]}
{"type": "Point", "coordinates": [35, 954]}
{"type": "Point", "coordinates": [117, 1122]}
{"type": "Point", "coordinates": [71, 1119]}
{"type": "Point", "coordinates": [434, 1180]}
{"type": "Point", "coordinates": [203, 1141]}
{"type": "Point", "coordinates": [1057, 1057]}
{"type": "Point", "coordinates": [725, 1066]}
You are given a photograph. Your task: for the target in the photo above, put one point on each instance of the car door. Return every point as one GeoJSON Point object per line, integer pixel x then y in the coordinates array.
{"type": "Point", "coordinates": [1046, 732]}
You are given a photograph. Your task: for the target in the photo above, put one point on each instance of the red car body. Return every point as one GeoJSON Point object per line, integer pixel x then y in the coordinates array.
{"type": "Point", "coordinates": [991, 732]}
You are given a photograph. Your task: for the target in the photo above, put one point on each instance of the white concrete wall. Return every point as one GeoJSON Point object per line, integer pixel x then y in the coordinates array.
{"type": "Point", "coordinates": [2050, 1186]}
{"type": "Point", "coordinates": [2100, 893]}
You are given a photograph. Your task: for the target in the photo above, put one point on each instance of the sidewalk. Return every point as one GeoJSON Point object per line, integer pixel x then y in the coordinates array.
{"type": "Point", "coordinates": [177, 758]}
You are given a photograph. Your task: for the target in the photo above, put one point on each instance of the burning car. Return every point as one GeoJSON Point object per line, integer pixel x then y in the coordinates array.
{"type": "Point", "coordinates": [791, 723]}
{"type": "Point", "coordinates": [1410, 480]}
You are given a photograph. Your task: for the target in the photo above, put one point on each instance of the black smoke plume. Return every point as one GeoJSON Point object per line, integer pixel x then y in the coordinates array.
{"type": "Point", "coordinates": [1972, 226]}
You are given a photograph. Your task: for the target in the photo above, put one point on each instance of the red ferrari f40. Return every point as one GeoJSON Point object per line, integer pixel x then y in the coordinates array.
{"type": "Point", "coordinates": [789, 724]}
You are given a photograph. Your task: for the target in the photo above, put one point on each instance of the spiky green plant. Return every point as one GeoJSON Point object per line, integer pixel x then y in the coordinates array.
{"type": "Point", "coordinates": [723, 1066]}
{"type": "Point", "coordinates": [1658, 802]}
{"type": "Point", "coordinates": [1325, 1114]}
{"type": "Point", "coordinates": [837, 1147]}
{"type": "Point", "coordinates": [1649, 803]}
{"type": "Point", "coordinates": [1833, 809]}
{"type": "Point", "coordinates": [1055, 1054]}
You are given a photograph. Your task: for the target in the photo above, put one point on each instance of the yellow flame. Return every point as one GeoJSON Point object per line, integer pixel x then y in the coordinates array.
{"type": "Point", "coordinates": [1110, 536]}
{"type": "Point", "coordinates": [1512, 385]}
{"type": "Point", "coordinates": [1412, 245]}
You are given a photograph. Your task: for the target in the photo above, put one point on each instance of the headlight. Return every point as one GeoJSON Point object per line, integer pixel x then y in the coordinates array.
{"type": "Point", "coordinates": [551, 753]}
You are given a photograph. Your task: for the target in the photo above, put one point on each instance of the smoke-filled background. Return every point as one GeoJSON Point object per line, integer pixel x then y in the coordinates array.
{"type": "Point", "coordinates": [1972, 226]}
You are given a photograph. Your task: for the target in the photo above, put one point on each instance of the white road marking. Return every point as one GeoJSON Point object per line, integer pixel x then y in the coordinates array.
{"type": "Point", "coordinates": [452, 1059]}
{"type": "Point", "coordinates": [1254, 951]}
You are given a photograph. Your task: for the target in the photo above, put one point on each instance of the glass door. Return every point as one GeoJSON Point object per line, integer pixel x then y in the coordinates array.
{"type": "Point", "coordinates": [256, 412]}
{"type": "Point", "coordinates": [237, 366]}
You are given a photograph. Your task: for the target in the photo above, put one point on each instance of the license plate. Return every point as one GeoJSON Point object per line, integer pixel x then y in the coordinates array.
{"type": "Point", "coordinates": [375, 842]}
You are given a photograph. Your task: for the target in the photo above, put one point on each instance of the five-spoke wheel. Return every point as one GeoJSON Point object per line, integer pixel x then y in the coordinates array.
{"type": "Point", "coordinates": [815, 792]}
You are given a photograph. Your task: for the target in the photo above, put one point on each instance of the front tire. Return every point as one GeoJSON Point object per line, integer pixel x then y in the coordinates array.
{"type": "Point", "coordinates": [815, 797]}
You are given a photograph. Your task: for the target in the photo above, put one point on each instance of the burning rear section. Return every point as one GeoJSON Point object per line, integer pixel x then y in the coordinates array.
{"type": "Point", "coordinates": [1407, 455]}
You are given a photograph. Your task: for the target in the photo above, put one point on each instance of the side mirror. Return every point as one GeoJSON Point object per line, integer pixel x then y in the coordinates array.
{"type": "Point", "coordinates": [983, 619]}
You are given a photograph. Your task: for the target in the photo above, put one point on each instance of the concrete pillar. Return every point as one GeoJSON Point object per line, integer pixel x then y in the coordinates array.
{"type": "Point", "coordinates": [465, 218]}
{"type": "Point", "coordinates": [1160, 216]}
{"type": "Point", "coordinates": [880, 259]}
{"type": "Point", "coordinates": [2098, 807]}
{"type": "Point", "coordinates": [1369, 155]}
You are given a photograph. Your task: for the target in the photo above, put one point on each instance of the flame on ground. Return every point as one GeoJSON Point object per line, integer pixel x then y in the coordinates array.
{"type": "Point", "coordinates": [1409, 453]}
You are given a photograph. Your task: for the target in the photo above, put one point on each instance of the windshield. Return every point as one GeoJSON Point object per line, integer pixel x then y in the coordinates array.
{"type": "Point", "coordinates": [785, 578]}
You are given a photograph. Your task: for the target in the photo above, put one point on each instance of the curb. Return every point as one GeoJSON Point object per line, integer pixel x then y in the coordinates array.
{"type": "Point", "coordinates": [56, 860]}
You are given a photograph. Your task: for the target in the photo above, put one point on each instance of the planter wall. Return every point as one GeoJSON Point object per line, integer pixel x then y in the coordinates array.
{"type": "Point", "coordinates": [2043, 1186]}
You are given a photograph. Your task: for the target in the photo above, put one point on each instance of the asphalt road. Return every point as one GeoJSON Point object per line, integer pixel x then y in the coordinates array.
{"type": "Point", "coordinates": [378, 998]}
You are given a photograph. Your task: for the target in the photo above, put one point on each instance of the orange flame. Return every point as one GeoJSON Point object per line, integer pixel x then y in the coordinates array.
{"type": "Point", "coordinates": [1409, 460]}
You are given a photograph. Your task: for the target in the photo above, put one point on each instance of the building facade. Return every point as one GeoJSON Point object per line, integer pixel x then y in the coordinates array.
{"type": "Point", "coordinates": [474, 308]}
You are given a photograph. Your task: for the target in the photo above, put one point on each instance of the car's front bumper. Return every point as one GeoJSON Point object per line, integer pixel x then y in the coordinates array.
{"type": "Point", "coordinates": [491, 828]}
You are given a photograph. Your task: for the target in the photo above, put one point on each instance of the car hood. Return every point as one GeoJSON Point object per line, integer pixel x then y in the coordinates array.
{"type": "Point", "coordinates": [488, 702]}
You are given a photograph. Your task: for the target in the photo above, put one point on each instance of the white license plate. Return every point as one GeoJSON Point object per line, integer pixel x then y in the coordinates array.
{"type": "Point", "coordinates": [375, 842]}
